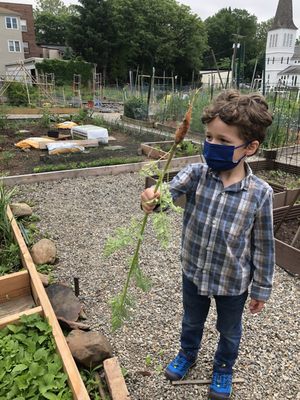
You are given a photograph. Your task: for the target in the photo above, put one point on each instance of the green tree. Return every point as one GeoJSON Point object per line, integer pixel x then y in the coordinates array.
{"type": "Point", "coordinates": [227, 27]}
{"type": "Point", "coordinates": [122, 34]}
{"type": "Point", "coordinates": [51, 20]}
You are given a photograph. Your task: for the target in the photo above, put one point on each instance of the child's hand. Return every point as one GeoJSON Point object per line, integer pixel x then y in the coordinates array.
{"type": "Point", "coordinates": [256, 306]}
{"type": "Point", "coordinates": [149, 199]}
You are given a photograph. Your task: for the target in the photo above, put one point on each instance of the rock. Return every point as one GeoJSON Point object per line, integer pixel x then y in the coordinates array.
{"type": "Point", "coordinates": [21, 209]}
{"type": "Point", "coordinates": [89, 348]}
{"type": "Point", "coordinates": [64, 302]}
{"type": "Point", "coordinates": [44, 278]}
{"type": "Point", "coordinates": [43, 252]}
{"type": "Point", "coordinates": [64, 323]}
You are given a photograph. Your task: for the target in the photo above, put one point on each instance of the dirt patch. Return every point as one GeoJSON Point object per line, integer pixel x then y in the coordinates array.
{"type": "Point", "coordinates": [15, 161]}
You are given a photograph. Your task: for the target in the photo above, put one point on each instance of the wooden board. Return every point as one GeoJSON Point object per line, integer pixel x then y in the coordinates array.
{"type": "Point", "coordinates": [84, 143]}
{"type": "Point", "coordinates": [75, 382]}
{"type": "Point", "coordinates": [115, 380]}
{"type": "Point", "coordinates": [16, 305]}
{"type": "Point", "coordinates": [14, 286]}
{"type": "Point", "coordinates": [15, 318]}
{"type": "Point", "coordinates": [287, 257]}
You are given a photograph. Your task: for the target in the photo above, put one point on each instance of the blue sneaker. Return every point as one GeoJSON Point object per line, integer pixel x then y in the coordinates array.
{"type": "Point", "coordinates": [221, 386]}
{"type": "Point", "coordinates": [179, 367]}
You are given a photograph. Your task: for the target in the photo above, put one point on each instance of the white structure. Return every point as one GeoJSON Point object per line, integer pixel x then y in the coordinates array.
{"type": "Point", "coordinates": [212, 78]}
{"type": "Point", "coordinates": [282, 56]}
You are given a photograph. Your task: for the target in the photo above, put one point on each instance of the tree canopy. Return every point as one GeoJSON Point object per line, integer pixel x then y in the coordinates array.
{"type": "Point", "coordinates": [123, 34]}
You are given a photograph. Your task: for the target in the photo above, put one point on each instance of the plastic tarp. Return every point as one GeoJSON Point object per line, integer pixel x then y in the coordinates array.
{"type": "Point", "coordinates": [62, 148]}
{"type": "Point", "coordinates": [32, 142]}
{"type": "Point", "coordinates": [66, 125]}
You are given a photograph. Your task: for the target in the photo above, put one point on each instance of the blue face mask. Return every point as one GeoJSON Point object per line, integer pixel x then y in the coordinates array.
{"type": "Point", "coordinates": [219, 157]}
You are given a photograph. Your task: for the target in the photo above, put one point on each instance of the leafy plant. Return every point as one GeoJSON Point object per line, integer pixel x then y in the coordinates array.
{"type": "Point", "coordinates": [135, 108]}
{"type": "Point", "coordinates": [9, 251]}
{"type": "Point", "coordinates": [6, 156]}
{"type": "Point", "coordinates": [122, 302]}
{"type": "Point", "coordinates": [91, 379]}
{"type": "Point", "coordinates": [30, 367]}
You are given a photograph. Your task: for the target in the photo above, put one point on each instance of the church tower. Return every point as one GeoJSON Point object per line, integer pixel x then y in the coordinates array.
{"type": "Point", "coordinates": [280, 42]}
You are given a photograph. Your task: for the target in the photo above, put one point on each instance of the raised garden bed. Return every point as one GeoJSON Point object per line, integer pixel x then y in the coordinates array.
{"type": "Point", "coordinates": [22, 293]}
{"type": "Point", "coordinates": [159, 150]}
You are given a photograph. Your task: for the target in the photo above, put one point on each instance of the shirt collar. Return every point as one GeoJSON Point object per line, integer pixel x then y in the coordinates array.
{"type": "Point", "coordinates": [242, 185]}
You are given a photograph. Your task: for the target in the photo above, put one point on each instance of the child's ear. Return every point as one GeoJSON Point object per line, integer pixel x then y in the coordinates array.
{"type": "Point", "coordinates": [252, 147]}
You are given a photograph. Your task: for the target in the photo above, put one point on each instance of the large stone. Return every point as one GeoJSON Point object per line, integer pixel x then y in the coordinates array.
{"type": "Point", "coordinates": [43, 252]}
{"type": "Point", "coordinates": [64, 302]}
{"type": "Point", "coordinates": [21, 209]}
{"type": "Point", "coordinates": [89, 348]}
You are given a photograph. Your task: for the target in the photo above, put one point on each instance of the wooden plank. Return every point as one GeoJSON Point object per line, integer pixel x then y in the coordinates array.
{"type": "Point", "coordinates": [14, 285]}
{"type": "Point", "coordinates": [14, 306]}
{"type": "Point", "coordinates": [287, 257]}
{"type": "Point", "coordinates": [115, 380]}
{"type": "Point", "coordinates": [14, 319]}
{"type": "Point", "coordinates": [76, 384]}
{"type": "Point", "coordinates": [85, 143]}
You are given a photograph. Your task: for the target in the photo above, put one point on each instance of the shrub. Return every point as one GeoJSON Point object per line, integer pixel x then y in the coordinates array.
{"type": "Point", "coordinates": [135, 108]}
{"type": "Point", "coordinates": [17, 95]}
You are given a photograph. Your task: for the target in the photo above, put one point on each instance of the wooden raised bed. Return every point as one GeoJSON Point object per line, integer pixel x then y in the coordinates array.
{"type": "Point", "coordinates": [23, 293]}
{"type": "Point", "coordinates": [152, 152]}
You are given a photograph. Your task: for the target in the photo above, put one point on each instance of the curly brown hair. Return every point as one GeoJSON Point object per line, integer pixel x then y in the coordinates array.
{"type": "Point", "coordinates": [248, 112]}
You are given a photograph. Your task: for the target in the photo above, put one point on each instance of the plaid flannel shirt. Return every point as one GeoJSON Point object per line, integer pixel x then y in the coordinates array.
{"type": "Point", "coordinates": [227, 237]}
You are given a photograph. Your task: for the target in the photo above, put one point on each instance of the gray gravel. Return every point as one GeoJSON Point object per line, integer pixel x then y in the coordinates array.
{"type": "Point", "coordinates": [79, 215]}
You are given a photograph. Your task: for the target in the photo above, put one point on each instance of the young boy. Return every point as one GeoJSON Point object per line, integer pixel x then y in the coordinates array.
{"type": "Point", "coordinates": [227, 238]}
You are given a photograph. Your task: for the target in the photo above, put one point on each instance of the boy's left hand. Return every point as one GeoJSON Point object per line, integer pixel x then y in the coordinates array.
{"type": "Point", "coordinates": [256, 306]}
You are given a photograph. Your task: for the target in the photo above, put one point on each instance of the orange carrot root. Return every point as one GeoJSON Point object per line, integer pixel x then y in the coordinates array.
{"type": "Point", "coordinates": [183, 128]}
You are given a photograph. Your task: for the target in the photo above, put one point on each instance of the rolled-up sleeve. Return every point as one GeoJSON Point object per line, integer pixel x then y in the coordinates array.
{"type": "Point", "coordinates": [263, 250]}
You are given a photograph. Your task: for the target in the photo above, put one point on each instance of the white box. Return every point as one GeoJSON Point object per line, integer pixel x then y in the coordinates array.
{"type": "Point", "coordinates": [91, 132]}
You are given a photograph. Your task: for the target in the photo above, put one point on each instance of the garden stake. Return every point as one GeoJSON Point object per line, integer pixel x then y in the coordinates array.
{"type": "Point", "coordinates": [120, 303]}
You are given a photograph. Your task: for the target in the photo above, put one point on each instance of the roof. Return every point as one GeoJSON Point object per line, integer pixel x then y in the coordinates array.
{"type": "Point", "coordinates": [6, 11]}
{"type": "Point", "coordinates": [284, 16]}
{"type": "Point", "coordinates": [292, 69]}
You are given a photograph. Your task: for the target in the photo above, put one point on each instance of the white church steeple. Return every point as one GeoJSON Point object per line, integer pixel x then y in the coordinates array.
{"type": "Point", "coordinates": [280, 43]}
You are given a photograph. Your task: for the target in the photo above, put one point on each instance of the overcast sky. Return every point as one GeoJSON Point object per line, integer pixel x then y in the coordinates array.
{"type": "Point", "coordinates": [263, 9]}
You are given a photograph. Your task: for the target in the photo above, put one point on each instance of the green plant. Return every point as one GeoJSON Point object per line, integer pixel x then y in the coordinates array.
{"type": "Point", "coordinates": [9, 251]}
{"type": "Point", "coordinates": [30, 368]}
{"type": "Point", "coordinates": [92, 381]}
{"type": "Point", "coordinates": [89, 164]}
{"type": "Point", "coordinates": [135, 108]}
{"type": "Point", "coordinates": [6, 156]}
{"type": "Point", "coordinates": [121, 303]}
{"type": "Point", "coordinates": [18, 94]}
{"type": "Point", "coordinates": [45, 121]}
{"type": "Point", "coordinates": [3, 119]}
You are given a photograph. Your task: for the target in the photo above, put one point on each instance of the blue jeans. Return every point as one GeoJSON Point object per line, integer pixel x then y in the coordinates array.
{"type": "Point", "coordinates": [229, 324]}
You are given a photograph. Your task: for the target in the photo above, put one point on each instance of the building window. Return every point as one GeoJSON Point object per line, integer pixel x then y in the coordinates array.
{"type": "Point", "coordinates": [276, 39]}
{"type": "Point", "coordinates": [268, 61]}
{"type": "Point", "coordinates": [11, 22]}
{"type": "Point", "coordinates": [281, 60]}
{"type": "Point", "coordinates": [273, 40]}
{"type": "Point", "coordinates": [270, 42]}
{"type": "Point", "coordinates": [26, 47]}
{"type": "Point", "coordinates": [23, 24]}
{"type": "Point", "coordinates": [284, 40]}
{"type": "Point", "coordinates": [273, 60]}
{"type": "Point", "coordinates": [288, 60]}
{"type": "Point", "coordinates": [14, 46]}
{"type": "Point", "coordinates": [291, 40]}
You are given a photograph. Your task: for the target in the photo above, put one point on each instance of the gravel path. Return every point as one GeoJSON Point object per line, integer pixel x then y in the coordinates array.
{"type": "Point", "coordinates": [79, 215]}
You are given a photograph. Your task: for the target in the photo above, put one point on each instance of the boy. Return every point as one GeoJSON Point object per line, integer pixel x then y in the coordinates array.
{"type": "Point", "coordinates": [227, 238]}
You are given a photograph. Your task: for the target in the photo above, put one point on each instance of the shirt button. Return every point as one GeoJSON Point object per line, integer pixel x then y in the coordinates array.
{"type": "Point", "coordinates": [208, 248]}
{"type": "Point", "coordinates": [214, 222]}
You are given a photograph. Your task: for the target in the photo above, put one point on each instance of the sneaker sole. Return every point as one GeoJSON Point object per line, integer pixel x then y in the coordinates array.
{"type": "Point", "coordinates": [174, 378]}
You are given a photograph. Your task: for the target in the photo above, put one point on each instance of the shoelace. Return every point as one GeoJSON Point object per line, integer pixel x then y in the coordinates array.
{"type": "Point", "coordinates": [221, 380]}
{"type": "Point", "coordinates": [180, 361]}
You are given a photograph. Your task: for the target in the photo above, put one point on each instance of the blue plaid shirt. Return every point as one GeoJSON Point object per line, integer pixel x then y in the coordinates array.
{"type": "Point", "coordinates": [227, 238]}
